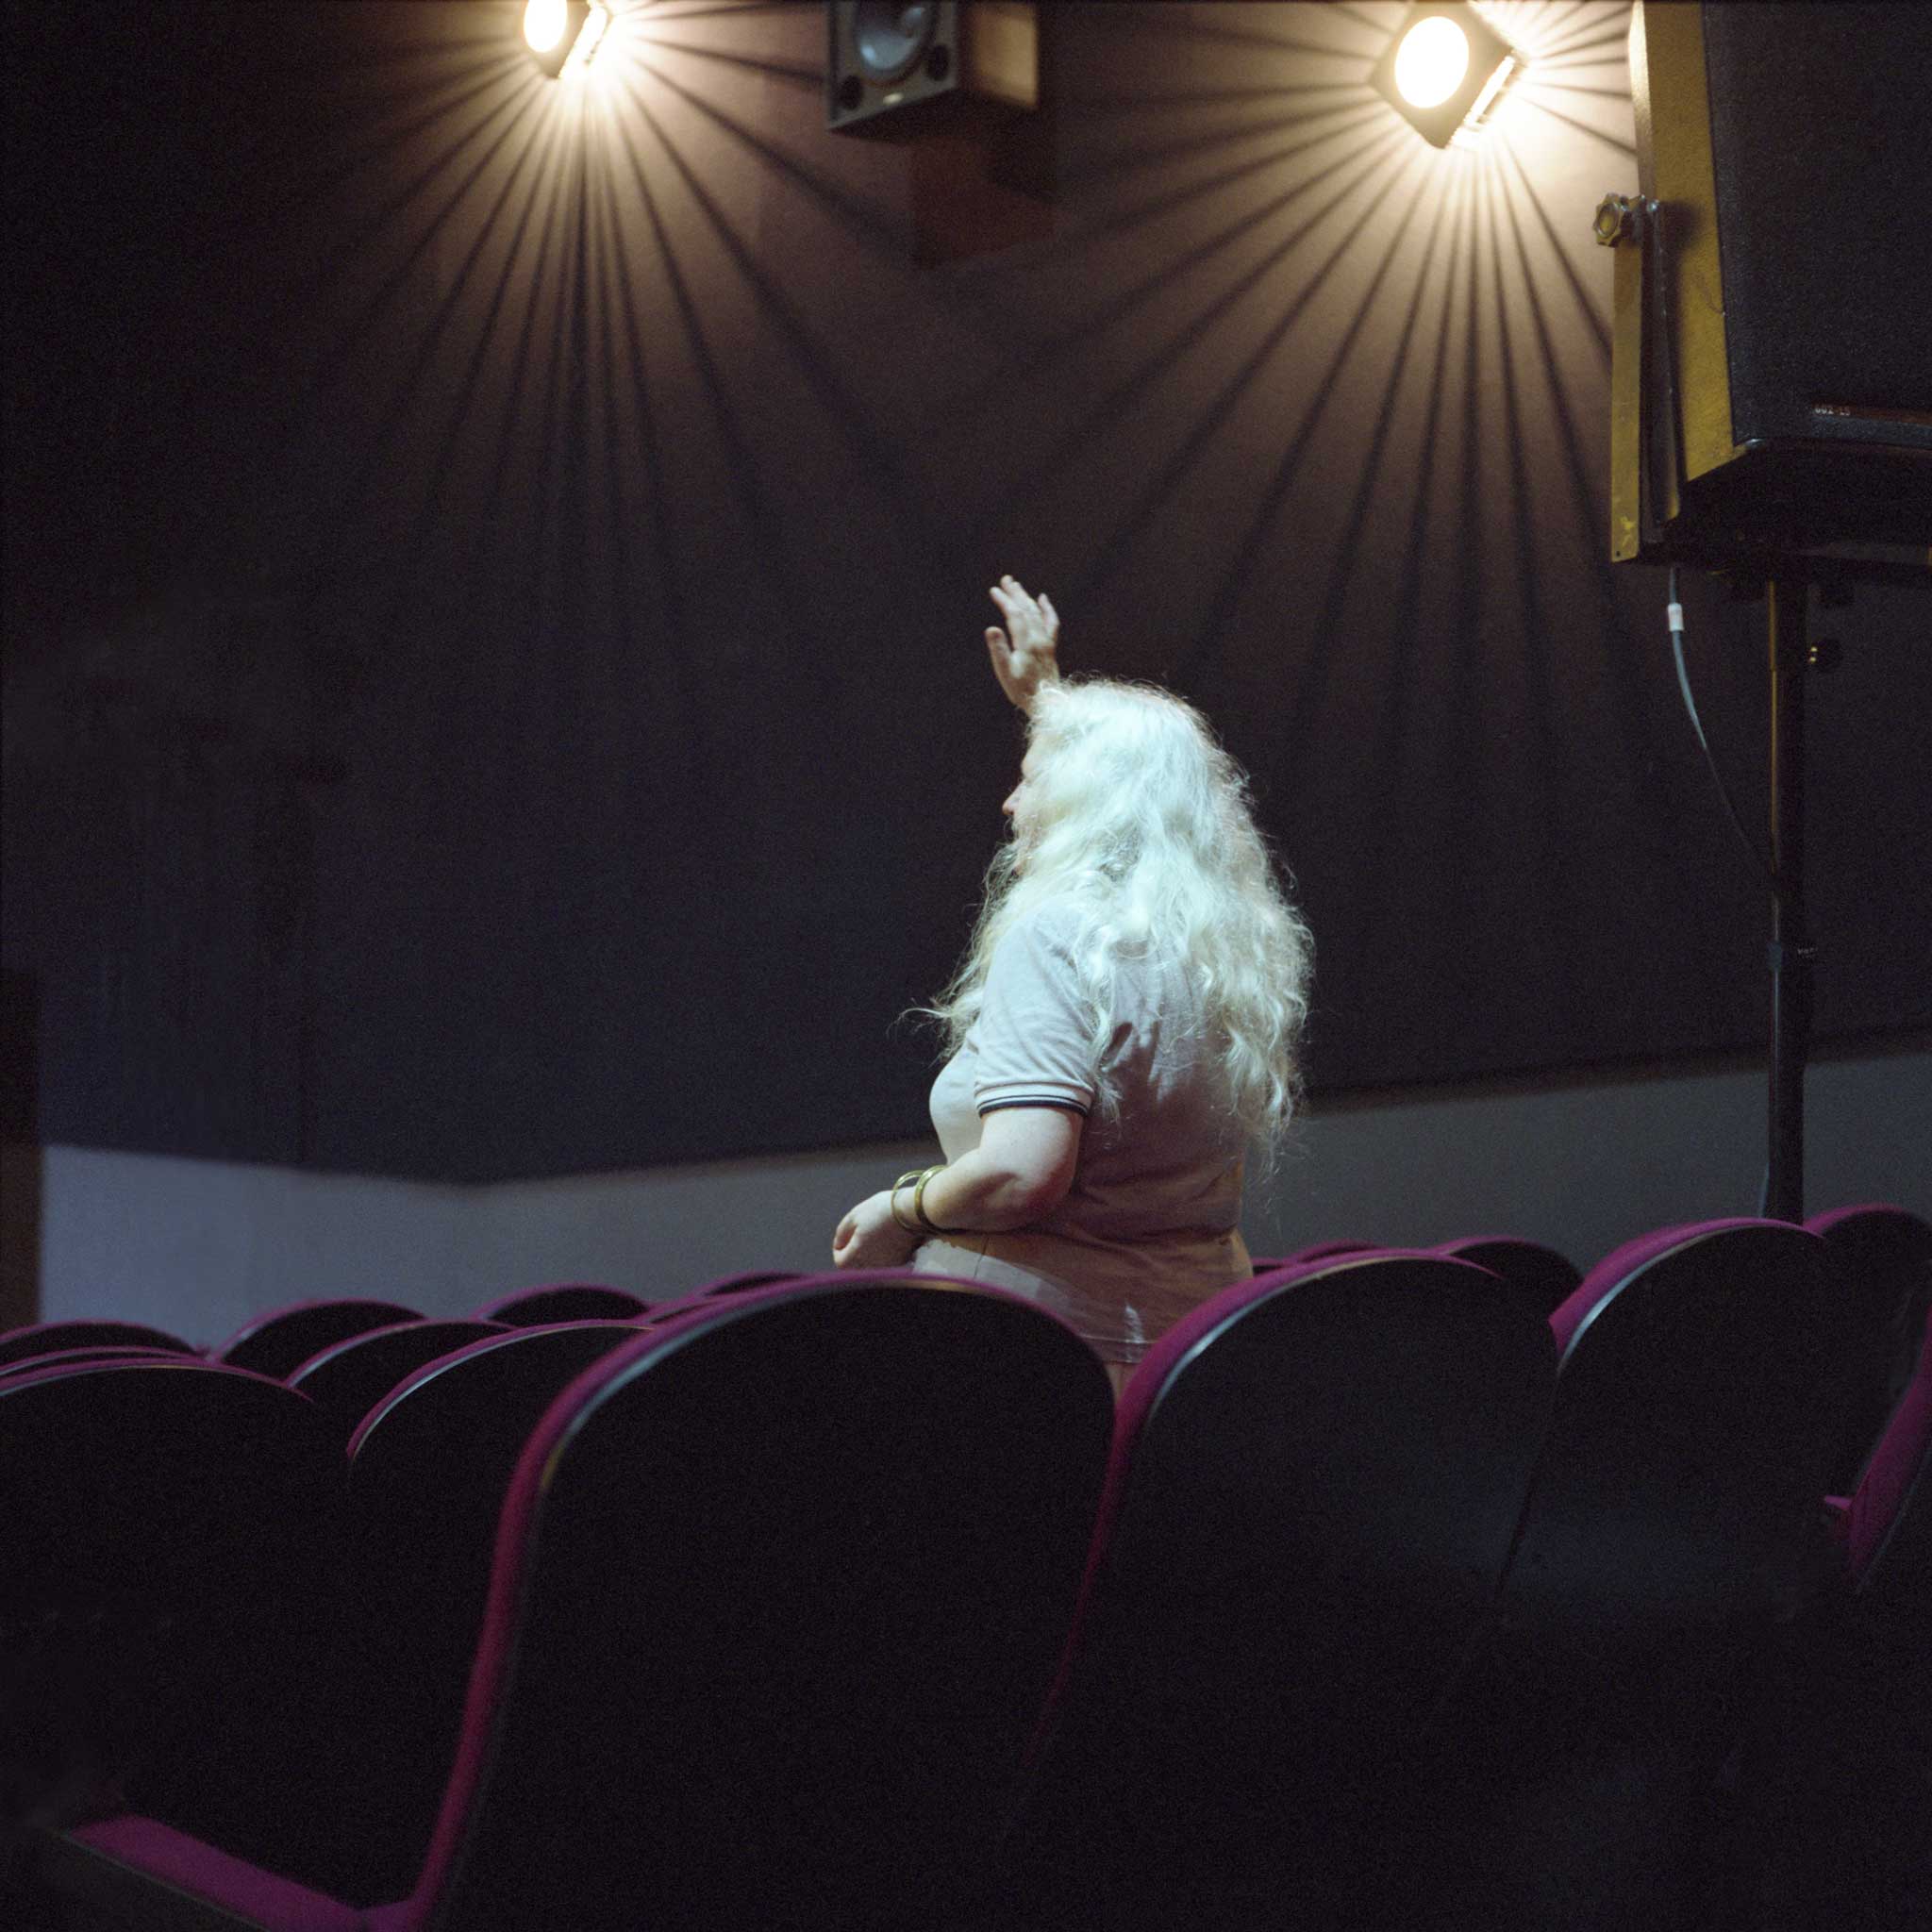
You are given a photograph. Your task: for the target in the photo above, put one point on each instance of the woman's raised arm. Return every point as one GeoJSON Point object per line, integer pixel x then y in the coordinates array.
{"type": "Point", "coordinates": [1024, 653]}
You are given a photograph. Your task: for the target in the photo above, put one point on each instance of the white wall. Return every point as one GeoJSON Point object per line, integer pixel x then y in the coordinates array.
{"type": "Point", "coordinates": [198, 1247]}
{"type": "Point", "coordinates": [1587, 1167]}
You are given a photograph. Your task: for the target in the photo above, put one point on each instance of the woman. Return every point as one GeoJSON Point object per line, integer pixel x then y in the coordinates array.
{"type": "Point", "coordinates": [1123, 1027]}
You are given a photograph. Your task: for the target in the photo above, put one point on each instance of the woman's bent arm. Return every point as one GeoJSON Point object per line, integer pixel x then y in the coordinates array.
{"type": "Point", "coordinates": [1017, 1175]}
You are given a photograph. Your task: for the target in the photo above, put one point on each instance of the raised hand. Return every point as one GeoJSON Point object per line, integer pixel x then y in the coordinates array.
{"type": "Point", "coordinates": [1024, 653]}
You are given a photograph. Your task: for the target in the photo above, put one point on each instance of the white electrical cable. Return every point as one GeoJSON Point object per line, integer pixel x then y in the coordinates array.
{"type": "Point", "coordinates": [1674, 613]}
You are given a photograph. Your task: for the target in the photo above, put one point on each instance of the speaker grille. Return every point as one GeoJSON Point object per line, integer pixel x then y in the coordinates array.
{"type": "Point", "coordinates": [1823, 165]}
{"type": "Point", "coordinates": [890, 38]}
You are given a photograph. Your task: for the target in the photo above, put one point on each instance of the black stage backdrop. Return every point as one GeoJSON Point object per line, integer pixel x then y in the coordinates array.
{"type": "Point", "coordinates": [494, 571]}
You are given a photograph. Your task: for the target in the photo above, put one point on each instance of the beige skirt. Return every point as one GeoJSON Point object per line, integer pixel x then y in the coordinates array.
{"type": "Point", "coordinates": [1118, 1299]}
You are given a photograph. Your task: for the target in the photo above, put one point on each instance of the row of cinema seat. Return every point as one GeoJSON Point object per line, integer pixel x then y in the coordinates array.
{"type": "Point", "coordinates": [1385, 1598]}
{"type": "Point", "coordinates": [1883, 1252]}
{"type": "Point", "coordinates": [278, 1342]}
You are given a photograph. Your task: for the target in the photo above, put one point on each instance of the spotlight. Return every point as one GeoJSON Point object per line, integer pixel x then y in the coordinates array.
{"type": "Point", "coordinates": [1446, 70]}
{"type": "Point", "coordinates": [564, 33]}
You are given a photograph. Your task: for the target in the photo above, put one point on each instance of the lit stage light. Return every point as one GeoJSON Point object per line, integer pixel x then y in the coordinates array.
{"type": "Point", "coordinates": [1430, 61]}
{"type": "Point", "coordinates": [564, 33]}
{"type": "Point", "coordinates": [1446, 70]}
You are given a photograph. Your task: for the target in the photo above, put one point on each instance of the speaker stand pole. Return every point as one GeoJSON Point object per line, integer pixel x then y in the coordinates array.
{"type": "Point", "coordinates": [1790, 940]}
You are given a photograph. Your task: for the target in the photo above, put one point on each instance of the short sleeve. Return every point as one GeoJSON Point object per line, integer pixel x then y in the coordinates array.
{"type": "Point", "coordinates": [1034, 1033]}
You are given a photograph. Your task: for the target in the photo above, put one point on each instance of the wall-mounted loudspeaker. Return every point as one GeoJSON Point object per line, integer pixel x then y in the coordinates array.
{"type": "Point", "coordinates": [886, 55]}
{"type": "Point", "coordinates": [1782, 152]}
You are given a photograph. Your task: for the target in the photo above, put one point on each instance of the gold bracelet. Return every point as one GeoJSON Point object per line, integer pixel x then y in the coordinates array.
{"type": "Point", "coordinates": [919, 1213]}
{"type": "Point", "coordinates": [905, 1180]}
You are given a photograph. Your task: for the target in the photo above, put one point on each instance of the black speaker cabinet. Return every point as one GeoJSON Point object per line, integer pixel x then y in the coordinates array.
{"type": "Point", "coordinates": [1790, 151]}
{"type": "Point", "coordinates": [884, 54]}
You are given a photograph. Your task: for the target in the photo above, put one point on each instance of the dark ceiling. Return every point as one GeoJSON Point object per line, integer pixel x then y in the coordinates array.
{"type": "Point", "coordinates": [495, 568]}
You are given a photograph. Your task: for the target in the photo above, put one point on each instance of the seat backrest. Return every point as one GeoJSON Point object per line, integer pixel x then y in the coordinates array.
{"type": "Point", "coordinates": [48, 1338]}
{"type": "Point", "coordinates": [661, 1314]}
{"type": "Point", "coordinates": [347, 1378]}
{"type": "Point", "coordinates": [428, 1467]}
{"type": "Point", "coordinates": [1672, 1525]}
{"type": "Point", "coordinates": [745, 1281]}
{"type": "Point", "coordinates": [1313, 1251]}
{"type": "Point", "coordinates": [68, 1357]}
{"type": "Point", "coordinates": [1889, 1546]}
{"type": "Point", "coordinates": [1886, 1258]}
{"type": "Point", "coordinates": [567, 1301]}
{"type": "Point", "coordinates": [167, 1526]}
{"type": "Point", "coordinates": [778, 1592]}
{"type": "Point", "coordinates": [1674, 1515]}
{"type": "Point", "coordinates": [284, 1339]}
{"type": "Point", "coordinates": [1547, 1277]}
{"type": "Point", "coordinates": [1314, 1484]}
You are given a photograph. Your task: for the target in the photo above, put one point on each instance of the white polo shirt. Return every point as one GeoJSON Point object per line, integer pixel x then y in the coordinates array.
{"type": "Point", "coordinates": [1151, 1224]}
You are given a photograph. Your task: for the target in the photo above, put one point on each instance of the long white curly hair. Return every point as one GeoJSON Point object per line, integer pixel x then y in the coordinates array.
{"type": "Point", "coordinates": [1140, 823]}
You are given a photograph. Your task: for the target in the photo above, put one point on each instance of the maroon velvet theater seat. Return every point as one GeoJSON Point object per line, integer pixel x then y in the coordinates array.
{"type": "Point", "coordinates": [1314, 1251]}
{"type": "Point", "coordinates": [167, 1525]}
{"type": "Point", "coordinates": [1885, 1257]}
{"type": "Point", "coordinates": [1889, 1540]}
{"type": "Point", "coordinates": [284, 1339]}
{"type": "Point", "coordinates": [348, 1377]}
{"type": "Point", "coordinates": [1314, 1483]}
{"type": "Point", "coordinates": [1844, 1785]}
{"type": "Point", "coordinates": [429, 1466]}
{"type": "Point", "coordinates": [569, 1301]}
{"type": "Point", "coordinates": [47, 1338]}
{"type": "Point", "coordinates": [1672, 1531]}
{"type": "Point", "coordinates": [778, 1592]}
{"type": "Point", "coordinates": [1546, 1277]}
{"type": "Point", "coordinates": [745, 1281]}
{"type": "Point", "coordinates": [130, 1872]}
{"type": "Point", "coordinates": [70, 1357]}
{"type": "Point", "coordinates": [664, 1312]}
